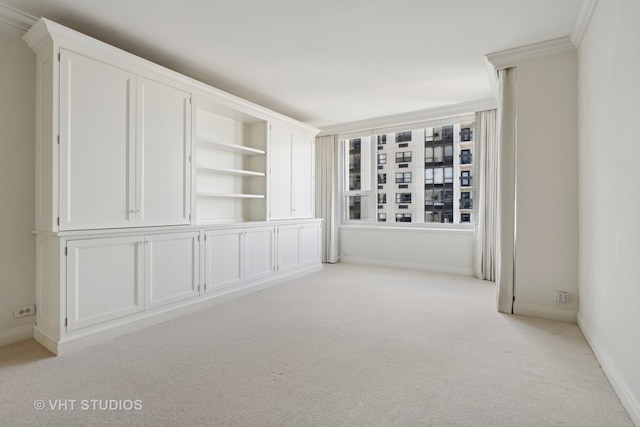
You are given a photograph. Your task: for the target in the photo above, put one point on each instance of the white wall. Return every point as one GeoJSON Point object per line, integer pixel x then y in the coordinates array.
{"type": "Point", "coordinates": [17, 181]}
{"type": "Point", "coordinates": [609, 153]}
{"type": "Point", "coordinates": [547, 186]}
{"type": "Point", "coordinates": [443, 251]}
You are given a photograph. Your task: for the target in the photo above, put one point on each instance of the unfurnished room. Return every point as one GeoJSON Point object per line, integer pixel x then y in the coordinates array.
{"type": "Point", "coordinates": [338, 213]}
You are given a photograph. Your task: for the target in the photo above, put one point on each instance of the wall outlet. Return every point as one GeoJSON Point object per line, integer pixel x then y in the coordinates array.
{"type": "Point", "coordinates": [562, 297]}
{"type": "Point", "coordinates": [27, 310]}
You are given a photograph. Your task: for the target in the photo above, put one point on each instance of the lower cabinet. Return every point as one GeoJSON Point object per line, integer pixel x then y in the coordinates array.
{"type": "Point", "coordinates": [112, 277]}
{"type": "Point", "coordinates": [95, 286]}
{"type": "Point", "coordinates": [235, 256]}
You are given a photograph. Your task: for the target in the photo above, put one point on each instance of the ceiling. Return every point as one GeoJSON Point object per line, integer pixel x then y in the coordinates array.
{"type": "Point", "coordinates": [322, 62]}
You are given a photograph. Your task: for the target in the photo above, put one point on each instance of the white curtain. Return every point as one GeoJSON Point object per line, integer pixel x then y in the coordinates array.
{"type": "Point", "coordinates": [486, 196]}
{"type": "Point", "coordinates": [505, 277]}
{"type": "Point", "coordinates": [327, 194]}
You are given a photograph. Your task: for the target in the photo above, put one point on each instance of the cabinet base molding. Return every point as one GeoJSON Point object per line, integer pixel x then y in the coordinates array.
{"type": "Point", "coordinates": [99, 333]}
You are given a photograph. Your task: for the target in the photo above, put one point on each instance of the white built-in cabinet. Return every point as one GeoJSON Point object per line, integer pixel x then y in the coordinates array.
{"type": "Point", "coordinates": [156, 193]}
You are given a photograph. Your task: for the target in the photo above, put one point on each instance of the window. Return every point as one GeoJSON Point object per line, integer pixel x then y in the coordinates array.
{"type": "Point", "coordinates": [403, 177]}
{"type": "Point", "coordinates": [439, 191]}
{"type": "Point", "coordinates": [403, 157]}
{"type": "Point", "coordinates": [403, 136]}
{"type": "Point", "coordinates": [403, 197]}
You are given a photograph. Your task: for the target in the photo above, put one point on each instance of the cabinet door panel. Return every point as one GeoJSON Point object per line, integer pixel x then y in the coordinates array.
{"type": "Point", "coordinates": [288, 247]}
{"type": "Point", "coordinates": [171, 268]}
{"type": "Point", "coordinates": [303, 166]}
{"type": "Point", "coordinates": [309, 244]}
{"type": "Point", "coordinates": [223, 259]}
{"type": "Point", "coordinates": [96, 144]}
{"type": "Point", "coordinates": [259, 246]}
{"type": "Point", "coordinates": [163, 149]}
{"type": "Point", "coordinates": [280, 175]}
{"type": "Point", "coordinates": [105, 280]}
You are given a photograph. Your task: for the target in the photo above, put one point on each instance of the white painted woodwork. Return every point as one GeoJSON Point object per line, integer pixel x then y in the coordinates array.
{"type": "Point", "coordinates": [97, 144]}
{"type": "Point", "coordinates": [125, 151]}
{"type": "Point", "coordinates": [171, 268]}
{"type": "Point", "coordinates": [223, 259]}
{"type": "Point", "coordinates": [280, 174]}
{"type": "Point", "coordinates": [163, 149]}
{"type": "Point", "coordinates": [303, 179]}
{"type": "Point", "coordinates": [105, 280]}
{"type": "Point", "coordinates": [259, 253]}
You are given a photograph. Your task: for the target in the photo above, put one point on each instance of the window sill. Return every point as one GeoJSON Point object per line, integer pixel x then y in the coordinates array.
{"type": "Point", "coordinates": [461, 229]}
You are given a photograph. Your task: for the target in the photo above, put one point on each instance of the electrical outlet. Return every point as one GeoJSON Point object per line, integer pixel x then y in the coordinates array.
{"type": "Point", "coordinates": [562, 297]}
{"type": "Point", "coordinates": [27, 310]}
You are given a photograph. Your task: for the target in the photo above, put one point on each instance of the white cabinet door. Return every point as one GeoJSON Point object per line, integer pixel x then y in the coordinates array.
{"type": "Point", "coordinates": [288, 247]}
{"type": "Point", "coordinates": [97, 141]}
{"type": "Point", "coordinates": [105, 280]}
{"type": "Point", "coordinates": [303, 167]}
{"type": "Point", "coordinates": [310, 243]}
{"type": "Point", "coordinates": [171, 268]}
{"type": "Point", "coordinates": [259, 253]}
{"type": "Point", "coordinates": [223, 259]}
{"type": "Point", "coordinates": [280, 177]}
{"type": "Point", "coordinates": [163, 150]}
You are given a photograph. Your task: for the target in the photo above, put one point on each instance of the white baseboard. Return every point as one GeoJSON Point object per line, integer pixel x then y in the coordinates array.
{"type": "Point", "coordinates": [630, 402]}
{"type": "Point", "coordinates": [545, 312]}
{"type": "Point", "coordinates": [17, 334]}
{"type": "Point", "coordinates": [432, 268]}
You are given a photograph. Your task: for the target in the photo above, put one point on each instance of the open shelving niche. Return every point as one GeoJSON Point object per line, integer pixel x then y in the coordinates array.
{"type": "Point", "coordinates": [230, 163]}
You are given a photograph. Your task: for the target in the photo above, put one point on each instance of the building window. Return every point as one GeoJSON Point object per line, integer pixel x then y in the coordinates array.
{"type": "Point", "coordinates": [403, 157]}
{"type": "Point", "coordinates": [442, 189]}
{"type": "Point", "coordinates": [403, 177]}
{"type": "Point", "coordinates": [403, 197]}
{"type": "Point", "coordinates": [403, 136]}
{"type": "Point", "coordinates": [403, 217]}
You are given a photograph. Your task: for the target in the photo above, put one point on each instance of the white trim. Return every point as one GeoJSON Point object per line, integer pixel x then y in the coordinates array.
{"type": "Point", "coordinates": [511, 57]}
{"type": "Point", "coordinates": [430, 268]}
{"type": "Point", "coordinates": [16, 18]}
{"type": "Point", "coordinates": [17, 334]}
{"type": "Point", "coordinates": [544, 311]}
{"type": "Point", "coordinates": [582, 21]}
{"type": "Point", "coordinates": [630, 402]}
{"type": "Point", "coordinates": [445, 111]}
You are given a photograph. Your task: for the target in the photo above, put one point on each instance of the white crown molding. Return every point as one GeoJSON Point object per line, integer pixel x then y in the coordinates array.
{"type": "Point", "coordinates": [16, 18]}
{"type": "Point", "coordinates": [411, 117]}
{"type": "Point", "coordinates": [511, 57]}
{"type": "Point", "coordinates": [582, 21]}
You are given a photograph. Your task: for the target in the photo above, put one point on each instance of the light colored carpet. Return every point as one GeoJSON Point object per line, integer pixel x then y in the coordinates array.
{"type": "Point", "coordinates": [349, 346]}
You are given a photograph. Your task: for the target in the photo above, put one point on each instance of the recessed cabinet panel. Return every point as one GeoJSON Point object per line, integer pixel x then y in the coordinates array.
{"type": "Point", "coordinates": [303, 158]}
{"type": "Point", "coordinates": [97, 141]}
{"type": "Point", "coordinates": [223, 259]}
{"type": "Point", "coordinates": [105, 280]}
{"type": "Point", "coordinates": [288, 247]}
{"type": "Point", "coordinates": [280, 198]}
{"type": "Point", "coordinates": [309, 244]}
{"type": "Point", "coordinates": [259, 259]}
{"type": "Point", "coordinates": [164, 141]}
{"type": "Point", "coordinates": [171, 262]}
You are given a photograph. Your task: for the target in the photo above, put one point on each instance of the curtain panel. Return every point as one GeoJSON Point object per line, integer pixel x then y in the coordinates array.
{"type": "Point", "coordinates": [327, 195]}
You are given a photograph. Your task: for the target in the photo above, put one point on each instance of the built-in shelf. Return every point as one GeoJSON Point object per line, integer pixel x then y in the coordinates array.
{"type": "Point", "coordinates": [226, 171]}
{"type": "Point", "coordinates": [235, 148]}
{"type": "Point", "coordinates": [232, 195]}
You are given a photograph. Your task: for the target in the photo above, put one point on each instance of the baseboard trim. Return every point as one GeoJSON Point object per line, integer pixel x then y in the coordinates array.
{"type": "Point", "coordinates": [545, 312]}
{"type": "Point", "coordinates": [16, 334]}
{"type": "Point", "coordinates": [630, 402]}
{"type": "Point", "coordinates": [431, 268]}
{"type": "Point", "coordinates": [99, 333]}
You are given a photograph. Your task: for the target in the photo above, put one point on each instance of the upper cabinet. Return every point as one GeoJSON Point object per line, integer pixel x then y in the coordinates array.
{"type": "Point", "coordinates": [292, 173]}
{"type": "Point", "coordinates": [124, 148]}
{"type": "Point", "coordinates": [123, 142]}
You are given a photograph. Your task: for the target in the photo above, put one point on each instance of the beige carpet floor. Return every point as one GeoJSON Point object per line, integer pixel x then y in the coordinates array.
{"type": "Point", "coordinates": [349, 346]}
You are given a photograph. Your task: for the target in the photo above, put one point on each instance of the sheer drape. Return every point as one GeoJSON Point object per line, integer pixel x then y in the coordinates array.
{"type": "Point", "coordinates": [506, 189]}
{"type": "Point", "coordinates": [327, 197]}
{"type": "Point", "coordinates": [486, 197]}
